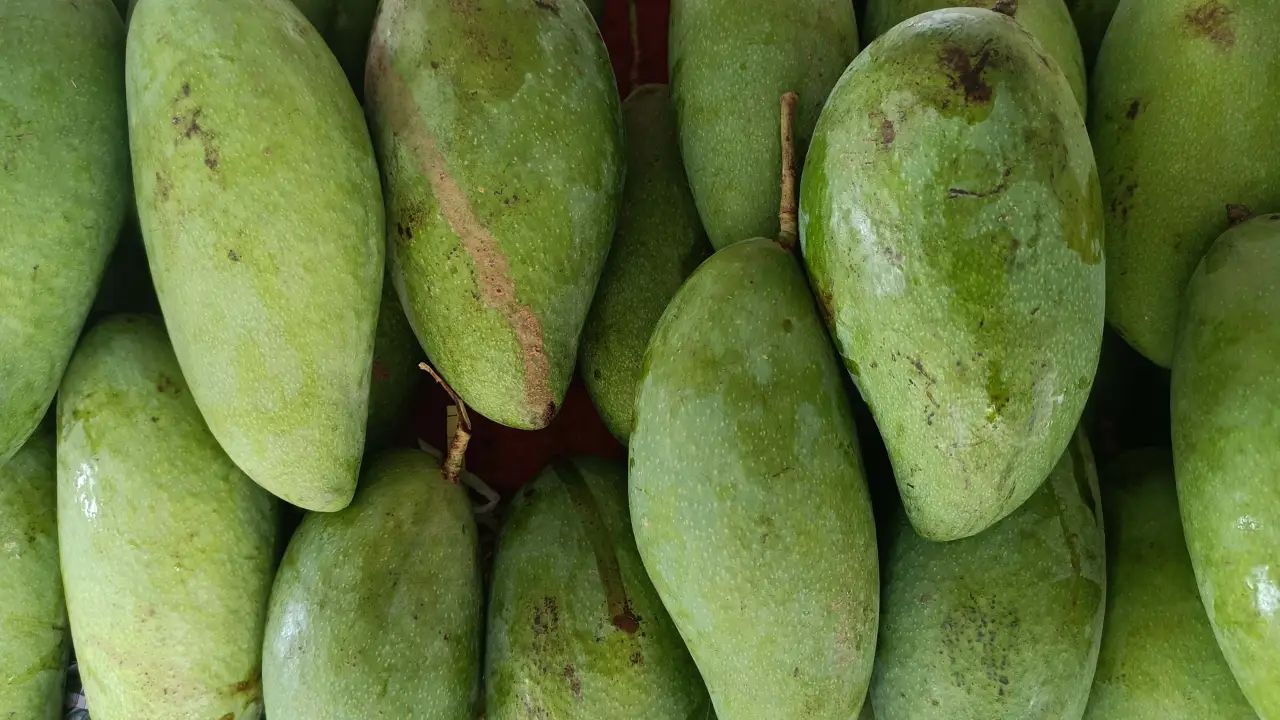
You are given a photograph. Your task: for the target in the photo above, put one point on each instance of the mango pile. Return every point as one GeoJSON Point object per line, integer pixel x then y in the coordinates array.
{"type": "Point", "coordinates": [942, 336]}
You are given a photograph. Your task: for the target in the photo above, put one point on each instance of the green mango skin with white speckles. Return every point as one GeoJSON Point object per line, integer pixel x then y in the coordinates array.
{"type": "Point", "coordinates": [345, 26]}
{"type": "Point", "coordinates": [748, 499]}
{"type": "Point", "coordinates": [500, 137]}
{"type": "Point", "coordinates": [1046, 20]}
{"type": "Point", "coordinates": [950, 221]}
{"type": "Point", "coordinates": [396, 375]}
{"type": "Point", "coordinates": [33, 614]}
{"type": "Point", "coordinates": [1224, 393]}
{"type": "Point", "coordinates": [64, 188]}
{"type": "Point", "coordinates": [553, 647]}
{"type": "Point", "coordinates": [260, 207]}
{"type": "Point", "coordinates": [1185, 122]}
{"type": "Point", "coordinates": [377, 610]}
{"type": "Point", "coordinates": [167, 547]}
{"type": "Point", "coordinates": [1159, 659]}
{"type": "Point", "coordinates": [1091, 18]}
{"type": "Point", "coordinates": [730, 64]}
{"type": "Point", "coordinates": [1004, 625]}
{"type": "Point", "coordinates": [659, 242]}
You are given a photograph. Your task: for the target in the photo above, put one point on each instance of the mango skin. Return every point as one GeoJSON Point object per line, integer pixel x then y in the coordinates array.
{"type": "Point", "coordinates": [33, 614]}
{"type": "Point", "coordinates": [746, 483]}
{"type": "Point", "coordinates": [1002, 625]}
{"type": "Point", "coordinates": [730, 62]}
{"type": "Point", "coordinates": [64, 188]}
{"type": "Point", "coordinates": [345, 26]}
{"type": "Point", "coordinates": [1159, 659]}
{"type": "Point", "coordinates": [161, 537]}
{"type": "Point", "coordinates": [951, 224]}
{"type": "Point", "coordinates": [658, 243]}
{"type": "Point", "coordinates": [377, 610]}
{"type": "Point", "coordinates": [1184, 91]}
{"type": "Point", "coordinates": [1223, 396]}
{"type": "Point", "coordinates": [260, 207]}
{"type": "Point", "coordinates": [499, 133]}
{"type": "Point", "coordinates": [1091, 19]}
{"type": "Point", "coordinates": [576, 629]}
{"type": "Point", "coordinates": [1048, 21]}
{"type": "Point", "coordinates": [395, 375]}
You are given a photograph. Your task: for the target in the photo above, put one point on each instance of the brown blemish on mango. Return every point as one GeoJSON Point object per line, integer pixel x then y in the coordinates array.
{"type": "Point", "coordinates": [965, 71]}
{"type": "Point", "coordinates": [1212, 20]}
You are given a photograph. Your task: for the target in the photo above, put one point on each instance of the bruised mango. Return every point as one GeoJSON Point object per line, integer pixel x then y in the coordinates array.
{"type": "Point", "coordinates": [261, 212]}
{"type": "Point", "coordinates": [64, 189]}
{"type": "Point", "coordinates": [167, 547]}
{"type": "Point", "coordinates": [499, 131]}
{"type": "Point", "coordinates": [951, 222]}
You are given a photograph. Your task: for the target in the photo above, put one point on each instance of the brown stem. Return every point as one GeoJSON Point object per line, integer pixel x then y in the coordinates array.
{"type": "Point", "coordinates": [457, 452]}
{"type": "Point", "coordinates": [787, 208]}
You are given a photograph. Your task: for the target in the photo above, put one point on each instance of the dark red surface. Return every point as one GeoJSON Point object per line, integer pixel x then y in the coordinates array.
{"type": "Point", "coordinates": [506, 458]}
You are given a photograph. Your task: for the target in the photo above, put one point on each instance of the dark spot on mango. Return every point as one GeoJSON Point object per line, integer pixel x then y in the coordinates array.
{"type": "Point", "coordinates": [965, 71]}
{"type": "Point", "coordinates": [997, 391]}
{"type": "Point", "coordinates": [1213, 20]}
{"type": "Point", "coordinates": [1237, 214]}
{"type": "Point", "coordinates": [786, 325]}
{"type": "Point", "coordinates": [1006, 7]}
{"type": "Point", "coordinates": [233, 256]}
{"type": "Point", "coordinates": [547, 5]}
{"type": "Point", "coordinates": [1135, 107]}
{"type": "Point", "coordinates": [163, 188]}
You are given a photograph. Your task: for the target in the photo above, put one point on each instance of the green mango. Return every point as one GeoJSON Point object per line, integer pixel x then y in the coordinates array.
{"type": "Point", "coordinates": [167, 547]}
{"type": "Point", "coordinates": [1184, 91]}
{"type": "Point", "coordinates": [396, 376]}
{"type": "Point", "coordinates": [500, 134]}
{"type": "Point", "coordinates": [1159, 660]}
{"type": "Point", "coordinates": [1223, 398]}
{"type": "Point", "coordinates": [748, 500]}
{"type": "Point", "coordinates": [1048, 21]}
{"type": "Point", "coordinates": [262, 216]}
{"type": "Point", "coordinates": [64, 188]}
{"type": "Point", "coordinates": [1091, 18]}
{"type": "Point", "coordinates": [345, 26]}
{"type": "Point", "coordinates": [33, 614]}
{"type": "Point", "coordinates": [951, 223]}
{"type": "Point", "coordinates": [576, 629]}
{"type": "Point", "coordinates": [730, 61]}
{"type": "Point", "coordinates": [1002, 625]}
{"type": "Point", "coordinates": [377, 610]}
{"type": "Point", "coordinates": [659, 242]}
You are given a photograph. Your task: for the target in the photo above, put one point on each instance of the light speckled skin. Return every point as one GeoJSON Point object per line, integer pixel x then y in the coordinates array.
{"type": "Point", "coordinates": [1047, 20]}
{"type": "Point", "coordinates": [64, 187]}
{"type": "Point", "coordinates": [1159, 659]}
{"type": "Point", "coordinates": [1185, 121]}
{"type": "Point", "coordinates": [260, 208]}
{"type": "Point", "coordinates": [500, 134]}
{"type": "Point", "coordinates": [1225, 390]}
{"type": "Point", "coordinates": [396, 375]}
{"type": "Point", "coordinates": [33, 615]}
{"type": "Point", "coordinates": [1000, 626]}
{"type": "Point", "coordinates": [167, 548]}
{"type": "Point", "coordinates": [730, 61]}
{"type": "Point", "coordinates": [345, 26]}
{"type": "Point", "coordinates": [1091, 18]}
{"type": "Point", "coordinates": [556, 649]}
{"type": "Point", "coordinates": [658, 243]}
{"type": "Point", "coordinates": [748, 500]}
{"type": "Point", "coordinates": [377, 610]}
{"type": "Point", "coordinates": [950, 220]}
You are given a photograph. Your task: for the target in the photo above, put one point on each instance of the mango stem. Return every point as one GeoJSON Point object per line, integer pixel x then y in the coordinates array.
{"type": "Point", "coordinates": [457, 452]}
{"type": "Point", "coordinates": [787, 208]}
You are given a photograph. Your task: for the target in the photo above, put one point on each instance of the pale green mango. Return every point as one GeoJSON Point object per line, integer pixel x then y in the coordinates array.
{"type": "Point", "coordinates": [1003, 625]}
{"type": "Point", "coordinates": [1159, 659]}
{"type": "Point", "coordinates": [64, 188]}
{"type": "Point", "coordinates": [730, 61]}
{"type": "Point", "coordinates": [1185, 122]}
{"type": "Point", "coordinates": [576, 630]}
{"type": "Point", "coordinates": [500, 136]}
{"type": "Point", "coordinates": [396, 376]}
{"type": "Point", "coordinates": [167, 547]}
{"type": "Point", "coordinates": [951, 223]}
{"type": "Point", "coordinates": [345, 26]}
{"type": "Point", "coordinates": [748, 500]}
{"type": "Point", "coordinates": [1225, 390]}
{"type": "Point", "coordinates": [260, 208]}
{"type": "Point", "coordinates": [1091, 18]}
{"type": "Point", "coordinates": [659, 241]}
{"type": "Point", "coordinates": [377, 610]}
{"type": "Point", "coordinates": [1048, 21]}
{"type": "Point", "coordinates": [33, 614]}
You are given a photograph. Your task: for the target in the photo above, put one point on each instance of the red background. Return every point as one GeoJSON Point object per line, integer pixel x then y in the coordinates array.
{"type": "Point", "coordinates": [506, 458]}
